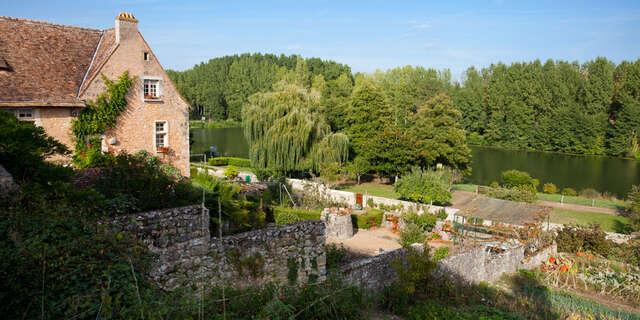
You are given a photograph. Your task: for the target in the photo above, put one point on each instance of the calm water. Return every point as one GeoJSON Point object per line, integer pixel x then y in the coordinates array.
{"type": "Point", "coordinates": [601, 173]}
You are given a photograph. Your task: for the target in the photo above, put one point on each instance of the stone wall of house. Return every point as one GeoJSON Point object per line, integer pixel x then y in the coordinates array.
{"type": "Point", "coordinates": [135, 128]}
{"type": "Point", "coordinates": [57, 123]}
{"type": "Point", "coordinates": [288, 253]}
{"type": "Point", "coordinates": [178, 237]}
{"type": "Point", "coordinates": [373, 273]}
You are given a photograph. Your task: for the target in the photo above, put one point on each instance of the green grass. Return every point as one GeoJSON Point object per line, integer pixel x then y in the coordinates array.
{"type": "Point", "coordinates": [611, 204]}
{"type": "Point", "coordinates": [465, 187]}
{"type": "Point", "coordinates": [372, 189]}
{"type": "Point", "coordinates": [607, 222]}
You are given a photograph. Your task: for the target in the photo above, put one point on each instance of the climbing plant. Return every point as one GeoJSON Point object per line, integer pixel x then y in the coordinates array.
{"type": "Point", "coordinates": [97, 117]}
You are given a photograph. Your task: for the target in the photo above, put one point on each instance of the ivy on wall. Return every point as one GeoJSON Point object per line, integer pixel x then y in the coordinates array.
{"type": "Point", "coordinates": [96, 117]}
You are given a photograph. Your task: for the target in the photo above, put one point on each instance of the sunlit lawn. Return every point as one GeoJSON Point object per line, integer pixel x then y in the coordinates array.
{"type": "Point", "coordinates": [612, 204]}
{"type": "Point", "coordinates": [373, 189]}
{"type": "Point", "coordinates": [608, 222]}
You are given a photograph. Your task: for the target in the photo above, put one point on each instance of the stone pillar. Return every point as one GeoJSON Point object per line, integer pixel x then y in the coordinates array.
{"type": "Point", "coordinates": [337, 225]}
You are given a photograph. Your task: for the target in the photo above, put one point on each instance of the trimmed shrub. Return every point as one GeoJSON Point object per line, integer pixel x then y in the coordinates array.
{"type": "Point", "coordinates": [229, 161]}
{"type": "Point", "coordinates": [286, 217]}
{"type": "Point", "coordinates": [569, 192]}
{"type": "Point", "coordinates": [549, 188]}
{"type": "Point", "coordinates": [515, 178]}
{"type": "Point", "coordinates": [519, 194]}
{"type": "Point", "coordinates": [373, 218]}
{"type": "Point", "coordinates": [442, 214]}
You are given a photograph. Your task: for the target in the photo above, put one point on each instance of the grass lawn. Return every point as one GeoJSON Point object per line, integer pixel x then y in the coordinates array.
{"type": "Point", "coordinates": [373, 189]}
{"type": "Point", "coordinates": [617, 204]}
{"type": "Point", "coordinates": [608, 222]}
{"type": "Point", "coordinates": [465, 187]}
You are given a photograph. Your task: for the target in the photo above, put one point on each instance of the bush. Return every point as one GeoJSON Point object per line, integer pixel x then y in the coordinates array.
{"type": "Point", "coordinates": [230, 161]}
{"type": "Point", "coordinates": [230, 172]}
{"type": "Point", "coordinates": [425, 221]}
{"type": "Point", "coordinates": [442, 214]}
{"type": "Point", "coordinates": [286, 217]}
{"type": "Point", "coordinates": [515, 178]}
{"type": "Point", "coordinates": [411, 234]}
{"type": "Point", "coordinates": [569, 192]}
{"type": "Point", "coordinates": [425, 186]}
{"type": "Point", "coordinates": [580, 239]}
{"type": "Point", "coordinates": [519, 194]}
{"type": "Point", "coordinates": [440, 253]}
{"type": "Point", "coordinates": [550, 188]}
{"type": "Point", "coordinates": [335, 256]}
{"type": "Point", "coordinates": [590, 193]}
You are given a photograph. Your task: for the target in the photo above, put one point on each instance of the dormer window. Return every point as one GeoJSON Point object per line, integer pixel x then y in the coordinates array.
{"type": "Point", "coordinates": [152, 88]}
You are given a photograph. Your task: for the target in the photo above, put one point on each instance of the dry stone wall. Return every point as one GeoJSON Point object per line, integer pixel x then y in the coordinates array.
{"type": "Point", "coordinates": [178, 237]}
{"type": "Point", "coordinates": [290, 253]}
{"type": "Point", "coordinates": [186, 254]}
{"type": "Point", "coordinates": [373, 273]}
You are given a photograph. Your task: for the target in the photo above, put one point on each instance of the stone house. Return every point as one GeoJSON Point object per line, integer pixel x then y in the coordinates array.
{"type": "Point", "coordinates": [48, 73]}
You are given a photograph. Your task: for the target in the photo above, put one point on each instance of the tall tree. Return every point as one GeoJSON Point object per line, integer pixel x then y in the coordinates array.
{"type": "Point", "coordinates": [286, 131]}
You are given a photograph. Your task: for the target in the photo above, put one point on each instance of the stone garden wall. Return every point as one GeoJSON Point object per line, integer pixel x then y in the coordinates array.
{"type": "Point", "coordinates": [479, 264]}
{"type": "Point", "coordinates": [349, 198]}
{"type": "Point", "coordinates": [178, 237]}
{"type": "Point", "coordinates": [292, 253]}
{"type": "Point", "coordinates": [185, 253]}
{"type": "Point", "coordinates": [373, 273]}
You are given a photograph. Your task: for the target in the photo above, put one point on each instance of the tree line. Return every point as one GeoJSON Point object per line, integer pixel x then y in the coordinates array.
{"type": "Point", "coordinates": [590, 108]}
{"type": "Point", "coordinates": [220, 87]}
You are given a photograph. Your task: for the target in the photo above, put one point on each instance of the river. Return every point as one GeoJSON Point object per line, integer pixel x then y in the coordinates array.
{"type": "Point", "coordinates": [615, 175]}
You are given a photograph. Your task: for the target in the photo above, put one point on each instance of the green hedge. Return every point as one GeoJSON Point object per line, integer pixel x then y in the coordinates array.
{"type": "Point", "coordinates": [302, 214]}
{"type": "Point", "coordinates": [373, 218]}
{"type": "Point", "coordinates": [230, 161]}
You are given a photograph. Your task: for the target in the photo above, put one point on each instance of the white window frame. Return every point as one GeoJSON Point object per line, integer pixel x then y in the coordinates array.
{"type": "Point", "coordinates": [158, 81]}
{"type": "Point", "coordinates": [30, 111]}
{"type": "Point", "coordinates": [164, 132]}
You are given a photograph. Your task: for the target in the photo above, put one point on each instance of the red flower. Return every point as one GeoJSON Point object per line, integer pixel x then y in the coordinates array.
{"type": "Point", "coordinates": [552, 260]}
{"type": "Point", "coordinates": [564, 268]}
{"type": "Point", "coordinates": [610, 270]}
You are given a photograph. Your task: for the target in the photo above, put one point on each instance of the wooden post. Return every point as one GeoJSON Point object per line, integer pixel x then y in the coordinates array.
{"type": "Point", "coordinates": [562, 199]}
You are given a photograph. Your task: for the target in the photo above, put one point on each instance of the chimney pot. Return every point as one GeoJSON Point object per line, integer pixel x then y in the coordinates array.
{"type": "Point", "coordinates": [126, 26]}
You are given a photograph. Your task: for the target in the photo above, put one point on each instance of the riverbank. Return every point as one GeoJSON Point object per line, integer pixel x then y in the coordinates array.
{"type": "Point", "coordinates": [214, 124]}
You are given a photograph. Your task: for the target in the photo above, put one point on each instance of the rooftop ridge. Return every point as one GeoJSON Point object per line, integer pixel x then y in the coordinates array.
{"type": "Point", "coordinates": [48, 23]}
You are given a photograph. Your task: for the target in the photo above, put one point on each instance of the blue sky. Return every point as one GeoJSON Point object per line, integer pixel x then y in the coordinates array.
{"type": "Point", "coordinates": [367, 35]}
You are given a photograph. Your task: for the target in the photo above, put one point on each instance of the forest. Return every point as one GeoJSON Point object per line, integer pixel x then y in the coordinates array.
{"type": "Point", "coordinates": [591, 108]}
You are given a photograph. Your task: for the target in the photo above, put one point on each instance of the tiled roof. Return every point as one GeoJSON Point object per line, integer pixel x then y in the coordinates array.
{"type": "Point", "coordinates": [45, 62]}
{"type": "Point", "coordinates": [106, 47]}
{"type": "Point", "coordinates": [518, 213]}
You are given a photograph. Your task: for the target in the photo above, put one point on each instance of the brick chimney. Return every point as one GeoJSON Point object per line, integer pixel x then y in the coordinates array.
{"type": "Point", "coordinates": [126, 26]}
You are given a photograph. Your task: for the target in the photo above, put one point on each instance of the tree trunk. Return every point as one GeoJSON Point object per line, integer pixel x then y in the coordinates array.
{"type": "Point", "coordinates": [358, 179]}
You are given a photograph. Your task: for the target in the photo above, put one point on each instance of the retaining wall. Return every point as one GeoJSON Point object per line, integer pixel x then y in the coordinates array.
{"type": "Point", "coordinates": [178, 237]}
{"type": "Point", "coordinates": [373, 273]}
{"type": "Point", "coordinates": [288, 253]}
{"type": "Point", "coordinates": [185, 253]}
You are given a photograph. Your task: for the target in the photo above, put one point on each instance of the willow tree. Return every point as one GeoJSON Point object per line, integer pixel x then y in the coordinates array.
{"type": "Point", "coordinates": [286, 131]}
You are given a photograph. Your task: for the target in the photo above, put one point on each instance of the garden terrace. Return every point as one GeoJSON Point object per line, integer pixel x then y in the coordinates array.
{"type": "Point", "coordinates": [503, 211]}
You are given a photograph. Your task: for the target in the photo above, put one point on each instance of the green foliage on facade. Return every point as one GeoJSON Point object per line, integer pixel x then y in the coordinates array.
{"type": "Point", "coordinates": [97, 117]}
